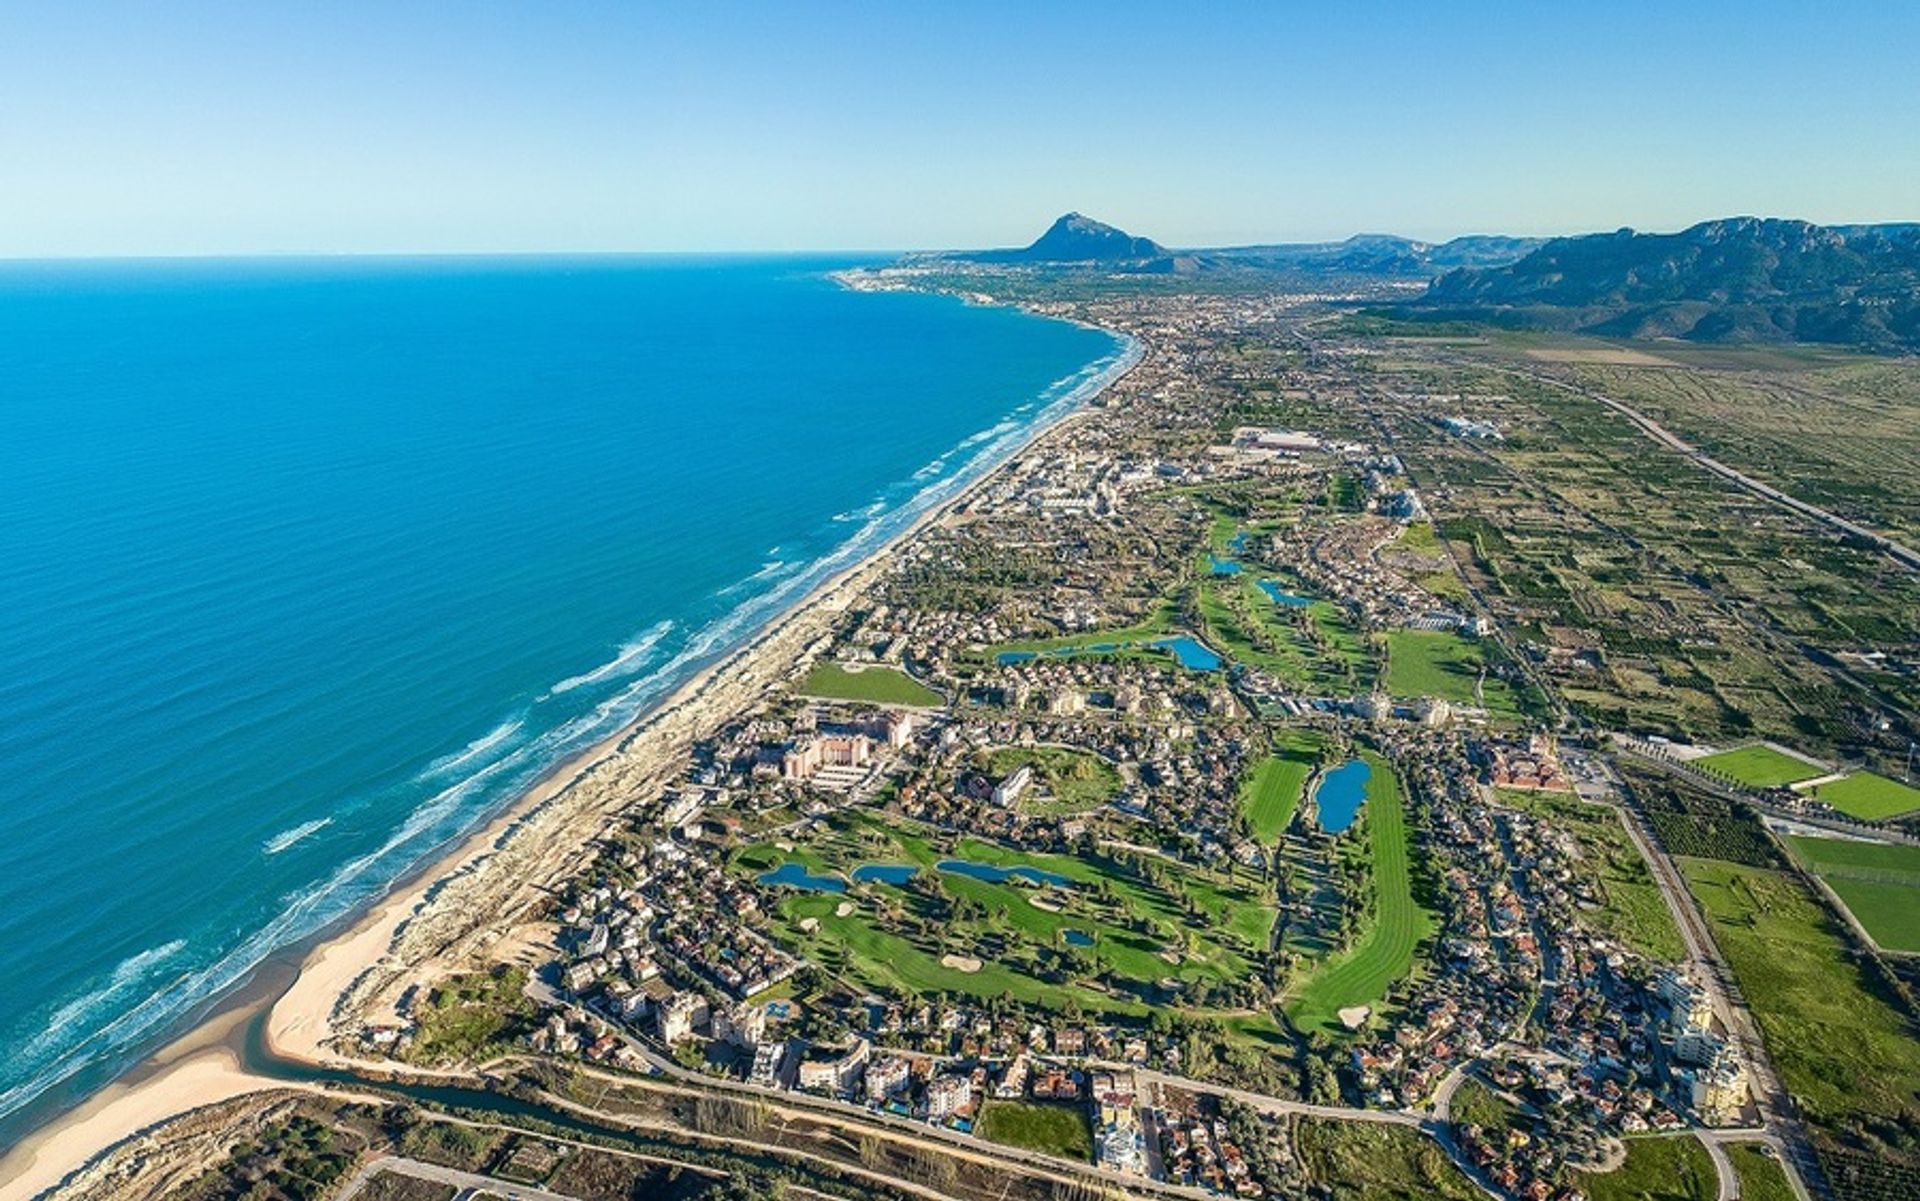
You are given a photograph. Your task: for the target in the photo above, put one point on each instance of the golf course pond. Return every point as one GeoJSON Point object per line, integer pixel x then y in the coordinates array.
{"type": "Point", "coordinates": [1341, 793]}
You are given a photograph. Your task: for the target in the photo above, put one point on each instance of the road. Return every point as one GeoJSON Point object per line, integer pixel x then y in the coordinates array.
{"type": "Point", "coordinates": [1770, 1096]}
{"type": "Point", "coordinates": [1900, 552]}
{"type": "Point", "coordinates": [468, 1183]}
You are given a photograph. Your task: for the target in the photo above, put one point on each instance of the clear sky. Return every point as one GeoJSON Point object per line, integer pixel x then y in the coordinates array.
{"type": "Point", "coordinates": [194, 127]}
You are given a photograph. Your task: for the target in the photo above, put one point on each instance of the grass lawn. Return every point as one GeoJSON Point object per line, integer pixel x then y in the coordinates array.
{"type": "Point", "coordinates": [1759, 766]}
{"type": "Point", "coordinates": [1372, 1161]}
{"type": "Point", "coordinates": [1061, 1130]}
{"type": "Point", "coordinates": [1439, 664]}
{"type": "Point", "coordinates": [1843, 1051]}
{"type": "Point", "coordinates": [1869, 797]}
{"type": "Point", "coordinates": [1635, 910]}
{"type": "Point", "coordinates": [1761, 1177]}
{"type": "Point", "coordinates": [1160, 621]}
{"type": "Point", "coordinates": [1076, 781]}
{"type": "Point", "coordinates": [1272, 790]}
{"type": "Point", "coordinates": [1879, 883]}
{"type": "Point", "coordinates": [1658, 1169]}
{"type": "Point", "coordinates": [1383, 952]}
{"type": "Point", "coordinates": [1890, 912]}
{"type": "Point", "coordinates": [878, 685]}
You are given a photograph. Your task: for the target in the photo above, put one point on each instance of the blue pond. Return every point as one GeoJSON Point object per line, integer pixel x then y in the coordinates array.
{"type": "Point", "coordinates": [1191, 653]}
{"type": "Point", "coordinates": [886, 873]}
{"type": "Point", "coordinates": [1238, 543]}
{"type": "Point", "coordinates": [999, 875]}
{"type": "Point", "coordinates": [795, 876]}
{"type": "Point", "coordinates": [1078, 938]}
{"type": "Point", "coordinates": [1219, 566]}
{"type": "Point", "coordinates": [1281, 597]}
{"type": "Point", "coordinates": [1341, 793]}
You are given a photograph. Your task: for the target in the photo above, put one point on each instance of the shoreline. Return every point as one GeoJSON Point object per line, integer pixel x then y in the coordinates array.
{"type": "Point", "coordinates": [474, 891]}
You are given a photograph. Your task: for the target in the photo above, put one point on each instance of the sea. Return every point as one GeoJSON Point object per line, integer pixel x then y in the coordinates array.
{"type": "Point", "coordinates": [309, 566]}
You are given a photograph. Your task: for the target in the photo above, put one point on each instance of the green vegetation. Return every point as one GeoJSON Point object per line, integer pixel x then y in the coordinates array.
{"type": "Point", "coordinates": [1635, 910]}
{"type": "Point", "coordinates": [298, 1159]}
{"type": "Point", "coordinates": [1890, 912]}
{"type": "Point", "coordinates": [1474, 1104]}
{"type": "Point", "coordinates": [1758, 766]}
{"type": "Point", "coordinates": [1435, 663]}
{"type": "Point", "coordinates": [1158, 622]}
{"type": "Point", "coordinates": [1845, 1052]}
{"type": "Point", "coordinates": [1312, 646]}
{"type": "Point", "coordinates": [1658, 1169]}
{"type": "Point", "coordinates": [1272, 790]}
{"type": "Point", "coordinates": [1760, 1174]}
{"type": "Point", "coordinates": [472, 1018]}
{"type": "Point", "coordinates": [1869, 797]}
{"type": "Point", "coordinates": [1075, 780]}
{"type": "Point", "coordinates": [1879, 883]}
{"type": "Point", "coordinates": [1154, 923]}
{"type": "Point", "coordinates": [870, 682]}
{"type": "Point", "coordinates": [1383, 952]}
{"type": "Point", "coordinates": [1373, 1161]}
{"type": "Point", "coordinates": [1061, 1130]}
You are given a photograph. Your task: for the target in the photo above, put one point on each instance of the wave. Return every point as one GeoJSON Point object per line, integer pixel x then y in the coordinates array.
{"type": "Point", "coordinates": [456, 808]}
{"type": "Point", "coordinates": [473, 750]}
{"type": "Point", "coordinates": [863, 513]}
{"type": "Point", "coordinates": [286, 838]}
{"type": "Point", "coordinates": [771, 569]}
{"type": "Point", "coordinates": [632, 656]}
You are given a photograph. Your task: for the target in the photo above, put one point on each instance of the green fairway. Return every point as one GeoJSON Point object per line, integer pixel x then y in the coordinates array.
{"type": "Point", "coordinates": [1657, 1169]}
{"type": "Point", "coordinates": [1847, 1055]}
{"type": "Point", "coordinates": [1869, 797]}
{"type": "Point", "coordinates": [1061, 1130]}
{"type": "Point", "coordinates": [1271, 792]}
{"type": "Point", "coordinates": [1759, 766]}
{"type": "Point", "coordinates": [1383, 952]}
{"type": "Point", "coordinates": [879, 685]}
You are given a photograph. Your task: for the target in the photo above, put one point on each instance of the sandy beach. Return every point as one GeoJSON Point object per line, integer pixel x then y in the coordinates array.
{"type": "Point", "coordinates": [470, 901]}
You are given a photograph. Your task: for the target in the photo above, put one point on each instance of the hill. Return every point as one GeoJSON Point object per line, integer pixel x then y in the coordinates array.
{"type": "Point", "coordinates": [1079, 239]}
{"type": "Point", "coordinates": [1742, 279]}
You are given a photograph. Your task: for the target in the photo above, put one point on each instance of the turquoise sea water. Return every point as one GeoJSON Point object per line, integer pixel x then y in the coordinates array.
{"type": "Point", "coordinates": [310, 565]}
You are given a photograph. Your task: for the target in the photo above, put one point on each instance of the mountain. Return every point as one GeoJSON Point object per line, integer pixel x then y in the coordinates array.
{"type": "Point", "coordinates": [1076, 239]}
{"type": "Point", "coordinates": [1379, 254]}
{"type": "Point", "coordinates": [1741, 279]}
{"type": "Point", "coordinates": [1079, 239]}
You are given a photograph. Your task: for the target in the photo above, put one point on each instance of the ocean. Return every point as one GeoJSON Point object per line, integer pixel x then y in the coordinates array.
{"type": "Point", "coordinates": [312, 565]}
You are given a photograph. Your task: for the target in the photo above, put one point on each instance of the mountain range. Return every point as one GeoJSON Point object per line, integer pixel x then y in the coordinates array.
{"type": "Point", "coordinates": [1738, 279]}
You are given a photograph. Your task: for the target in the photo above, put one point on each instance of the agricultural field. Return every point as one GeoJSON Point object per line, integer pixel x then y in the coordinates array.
{"type": "Point", "coordinates": [1371, 1161]}
{"type": "Point", "coordinates": [1271, 793]}
{"type": "Point", "coordinates": [1383, 951]}
{"type": "Point", "coordinates": [1110, 934]}
{"type": "Point", "coordinates": [1758, 766]}
{"type": "Point", "coordinates": [1635, 910]}
{"type": "Point", "coordinates": [1652, 595]}
{"type": "Point", "coordinates": [1848, 1055]}
{"type": "Point", "coordinates": [1869, 797]}
{"type": "Point", "coordinates": [1071, 781]}
{"type": "Point", "coordinates": [1657, 1169]}
{"type": "Point", "coordinates": [1878, 883]}
{"type": "Point", "coordinates": [871, 683]}
{"type": "Point", "coordinates": [1061, 1130]}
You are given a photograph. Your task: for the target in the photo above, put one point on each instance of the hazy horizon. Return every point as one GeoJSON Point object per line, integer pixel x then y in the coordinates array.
{"type": "Point", "coordinates": [221, 129]}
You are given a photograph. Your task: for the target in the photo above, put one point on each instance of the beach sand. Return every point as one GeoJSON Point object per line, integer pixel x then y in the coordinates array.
{"type": "Point", "coordinates": [451, 914]}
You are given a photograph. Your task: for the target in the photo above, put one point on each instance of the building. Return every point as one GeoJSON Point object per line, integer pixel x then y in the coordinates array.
{"type": "Point", "coordinates": [1007, 793]}
{"type": "Point", "coordinates": [808, 755]}
{"type": "Point", "coordinates": [948, 1095]}
{"type": "Point", "coordinates": [887, 1078]}
{"type": "Point", "coordinates": [679, 1014]}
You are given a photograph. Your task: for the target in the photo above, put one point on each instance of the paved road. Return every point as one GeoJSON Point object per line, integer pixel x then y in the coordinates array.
{"type": "Point", "coordinates": [468, 1183]}
{"type": "Point", "coordinates": [1901, 553]}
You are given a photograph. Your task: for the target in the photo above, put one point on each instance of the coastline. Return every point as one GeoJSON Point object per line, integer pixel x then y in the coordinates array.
{"type": "Point", "coordinates": [472, 895]}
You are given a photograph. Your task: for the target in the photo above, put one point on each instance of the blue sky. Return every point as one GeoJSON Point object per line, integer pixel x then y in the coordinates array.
{"type": "Point", "coordinates": [193, 128]}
